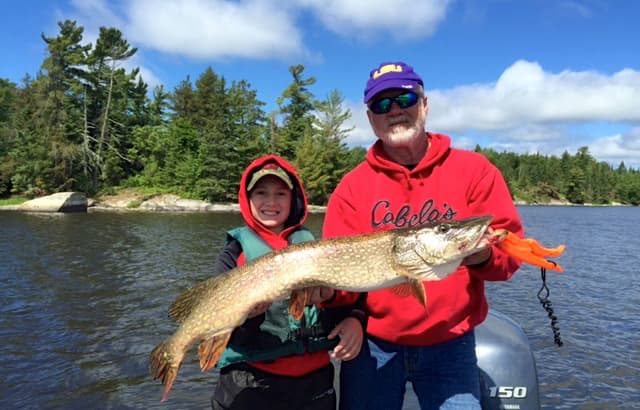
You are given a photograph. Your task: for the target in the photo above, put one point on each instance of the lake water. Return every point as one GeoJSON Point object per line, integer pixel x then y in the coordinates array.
{"type": "Point", "coordinates": [84, 299]}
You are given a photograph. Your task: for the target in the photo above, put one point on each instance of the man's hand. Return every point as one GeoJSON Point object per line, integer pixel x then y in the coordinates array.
{"type": "Point", "coordinates": [490, 238]}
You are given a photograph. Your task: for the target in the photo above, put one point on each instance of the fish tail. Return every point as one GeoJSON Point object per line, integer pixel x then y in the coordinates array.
{"type": "Point", "coordinates": [164, 367]}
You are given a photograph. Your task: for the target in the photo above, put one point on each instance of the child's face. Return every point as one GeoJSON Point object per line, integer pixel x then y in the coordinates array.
{"type": "Point", "coordinates": [270, 201]}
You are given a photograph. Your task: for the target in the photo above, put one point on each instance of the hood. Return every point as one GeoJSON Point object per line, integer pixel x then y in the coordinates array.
{"type": "Point", "coordinates": [439, 147]}
{"type": "Point", "coordinates": [298, 213]}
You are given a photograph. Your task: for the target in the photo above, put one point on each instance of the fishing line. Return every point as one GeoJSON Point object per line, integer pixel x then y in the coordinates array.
{"type": "Point", "coordinates": [543, 297]}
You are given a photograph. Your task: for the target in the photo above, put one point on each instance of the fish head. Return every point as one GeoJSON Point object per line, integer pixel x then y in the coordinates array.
{"type": "Point", "coordinates": [438, 248]}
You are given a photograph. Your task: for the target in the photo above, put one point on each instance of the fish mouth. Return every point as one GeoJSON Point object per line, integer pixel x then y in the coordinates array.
{"type": "Point", "coordinates": [483, 220]}
{"type": "Point", "coordinates": [482, 236]}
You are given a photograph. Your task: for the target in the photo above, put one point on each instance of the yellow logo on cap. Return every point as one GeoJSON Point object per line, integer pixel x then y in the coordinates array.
{"type": "Point", "coordinates": [389, 68]}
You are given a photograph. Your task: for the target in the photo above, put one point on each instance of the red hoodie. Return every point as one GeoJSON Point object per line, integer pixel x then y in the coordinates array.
{"type": "Point", "coordinates": [446, 184]}
{"type": "Point", "coordinates": [297, 365]}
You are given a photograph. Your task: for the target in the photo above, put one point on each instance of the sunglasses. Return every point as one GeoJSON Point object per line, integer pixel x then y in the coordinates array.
{"type": "Point", "coordinates": [383, 105]}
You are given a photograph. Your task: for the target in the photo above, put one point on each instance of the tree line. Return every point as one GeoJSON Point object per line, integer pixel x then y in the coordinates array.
{"type": "Point", "coordinates": [86, 123]}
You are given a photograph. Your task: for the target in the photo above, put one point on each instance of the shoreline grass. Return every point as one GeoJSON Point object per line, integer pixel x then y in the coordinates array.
{"type": "Point", "coordinates": [14, 200]}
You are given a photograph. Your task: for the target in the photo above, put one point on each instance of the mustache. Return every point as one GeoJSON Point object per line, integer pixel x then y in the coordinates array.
{"type": "Point", "coordinates": [397, 120]}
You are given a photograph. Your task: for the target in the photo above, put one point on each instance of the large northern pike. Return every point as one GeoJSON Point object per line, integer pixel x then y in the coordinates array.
{"type": "Point", "coordinates": [210, 311]}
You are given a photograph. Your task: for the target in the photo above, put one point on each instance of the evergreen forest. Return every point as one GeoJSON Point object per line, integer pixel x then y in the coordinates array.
{"type": "Point", "coordinates": [85, 123]}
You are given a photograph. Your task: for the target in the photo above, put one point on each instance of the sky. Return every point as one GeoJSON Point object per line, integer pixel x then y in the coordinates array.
{"type": "Point", "coordinates": [524, 76]}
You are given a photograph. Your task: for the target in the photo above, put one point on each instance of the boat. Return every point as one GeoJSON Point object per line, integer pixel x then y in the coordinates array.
{"type": "Point", "coordinates": [508, 373]}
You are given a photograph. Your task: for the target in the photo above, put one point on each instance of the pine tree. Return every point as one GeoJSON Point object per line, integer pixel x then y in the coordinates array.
{"type": "Point", "coordinates": [296, 105]}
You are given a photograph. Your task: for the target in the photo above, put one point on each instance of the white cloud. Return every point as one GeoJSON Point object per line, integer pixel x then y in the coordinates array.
{"type": "Point", "coordinates": [93, 14]}
{"type": "Point", "coordinates": [527, 108]}
{"type": "Point", "coordinates": [361, 134]}
{"type": "Point", "coordinates": [252, 29]}
{"type": "Point", "coordinates": [400, 19]}
{"type": "Point", "coordinates": [96, 13]}
{"type": "Point", "coordinates": [531, 110]}
{"type": "Point", "coordinates": [147, 75]}
{"type": "Point", "coordinates": [257, 29]}
{"type": "Point", "coordinates": [215, 29]}
{"type": "Point", "coordinates": [525, 93]}
{"type": "Point", "coordinates": [574, 8]}
{"type": "Point", "coordinates": [616, 148]}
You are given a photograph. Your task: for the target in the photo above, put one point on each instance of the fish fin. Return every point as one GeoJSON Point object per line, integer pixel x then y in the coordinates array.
{"type": "Point", "coordinates": [413, 287]}
{"type": "Point", "coordinates": [402, 290]}
{"type": "Point", "coordinates": [418, 291]}
{"type": "Point", "coordinates": [210, 350]}
{"type": "Point", "coordinates": [163, 367]}
{"type": "Point", "coordinates": [297, 302]}
{"type": "Point", "coordinates": [181, 308]}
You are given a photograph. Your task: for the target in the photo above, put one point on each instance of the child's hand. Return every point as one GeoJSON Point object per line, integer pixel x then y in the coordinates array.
{"type": "Point", "coordinates": [351, 334]}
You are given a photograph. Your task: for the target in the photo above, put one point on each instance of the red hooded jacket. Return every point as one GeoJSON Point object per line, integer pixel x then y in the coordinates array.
{"type": "Point", "coordinates": [296, 365]}
{"type": "Point", "coordinates": [446, 184]}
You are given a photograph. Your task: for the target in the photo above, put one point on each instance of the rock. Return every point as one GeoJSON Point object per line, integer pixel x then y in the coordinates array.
{"type": "Point", "coordinates": [131, 201]}
{"type": "Point", "coordinates": [125, 200]}
{"type": "Point", "coordinates": [59, 202]}
{"type": "Point", "coordinates": [173, 203]}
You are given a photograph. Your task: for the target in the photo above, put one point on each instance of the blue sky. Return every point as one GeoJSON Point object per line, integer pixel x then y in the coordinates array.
{"type": "Point", "coordinates": [517, 75]}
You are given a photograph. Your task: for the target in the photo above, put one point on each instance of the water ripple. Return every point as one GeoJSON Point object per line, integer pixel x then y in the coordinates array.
{"type": "Point", "coordinates": [84, 299]}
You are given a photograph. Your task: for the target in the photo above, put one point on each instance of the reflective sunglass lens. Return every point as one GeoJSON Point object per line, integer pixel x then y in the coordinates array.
{"type": "Point", "coordinates": [383, 105]}
{"type": "Point", "coordinates": [406, 100]}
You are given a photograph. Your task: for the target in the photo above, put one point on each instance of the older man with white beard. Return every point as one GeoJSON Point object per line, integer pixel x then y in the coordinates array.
{"type": "Point", "coordinates": [410, 177]}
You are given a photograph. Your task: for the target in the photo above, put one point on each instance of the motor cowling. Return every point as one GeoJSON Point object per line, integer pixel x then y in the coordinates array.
{"type": "Point", "coordinates": [508, 375]}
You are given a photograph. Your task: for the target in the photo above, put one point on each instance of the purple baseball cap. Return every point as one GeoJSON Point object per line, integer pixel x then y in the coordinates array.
{"type": "Point", "coordinates": [391, 75]}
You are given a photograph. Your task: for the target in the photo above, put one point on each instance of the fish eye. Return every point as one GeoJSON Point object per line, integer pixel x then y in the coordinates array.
{"type": "Point", "coordinates": [444, 228]}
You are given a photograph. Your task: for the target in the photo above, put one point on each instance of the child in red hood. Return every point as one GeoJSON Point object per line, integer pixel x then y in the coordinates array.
{"type": "Point", "coordinates": [272, 360]}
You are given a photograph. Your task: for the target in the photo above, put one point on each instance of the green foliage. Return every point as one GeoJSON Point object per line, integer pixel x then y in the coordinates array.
{"type": "Point", "coordinates": [578, 179]}
{"type": "Point", "coordinates": [14, 200]}
{"type": "Point", "coordinates": [165, 156]}
{"type": "Point", "coordinates": [322, 156]}
{"type": "Point", "coordinates": [85, 123]}
{"type": "Point", "coordinates": [296, 107]}
{"type": "Point", "coordinates": [8, 96]}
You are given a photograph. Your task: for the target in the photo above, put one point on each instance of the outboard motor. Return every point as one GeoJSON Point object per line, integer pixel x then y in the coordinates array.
{"type": "Point", "coordinates": [508, 375]}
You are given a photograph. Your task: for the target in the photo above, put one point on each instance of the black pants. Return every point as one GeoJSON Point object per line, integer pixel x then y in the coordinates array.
{"type": "Point", "coordinates": [242, 387]}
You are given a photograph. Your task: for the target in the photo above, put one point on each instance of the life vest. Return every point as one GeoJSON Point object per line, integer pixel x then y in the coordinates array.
{"type": "Point", "coordinates": [279, 334]}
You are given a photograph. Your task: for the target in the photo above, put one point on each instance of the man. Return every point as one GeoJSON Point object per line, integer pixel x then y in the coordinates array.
{"type": "Point", "coordinates": [411, 177]}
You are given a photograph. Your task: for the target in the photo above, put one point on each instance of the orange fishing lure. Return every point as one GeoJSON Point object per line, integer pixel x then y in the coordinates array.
{"type": "Point", "coordinates": [528, 250]}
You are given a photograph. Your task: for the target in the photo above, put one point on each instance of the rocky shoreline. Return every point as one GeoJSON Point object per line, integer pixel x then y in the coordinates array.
{"type": "Point", "coordinates": [125, 201]}
{"type": "Point", "coordinates": [133, 201]}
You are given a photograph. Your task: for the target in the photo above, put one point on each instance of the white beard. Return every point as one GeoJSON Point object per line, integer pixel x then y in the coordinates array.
{"type": "Point", "coordinates": [401, 134]}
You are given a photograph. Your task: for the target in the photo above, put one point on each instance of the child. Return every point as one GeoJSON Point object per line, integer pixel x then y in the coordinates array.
{"type": "Point", "coordinates": [273, 361]}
